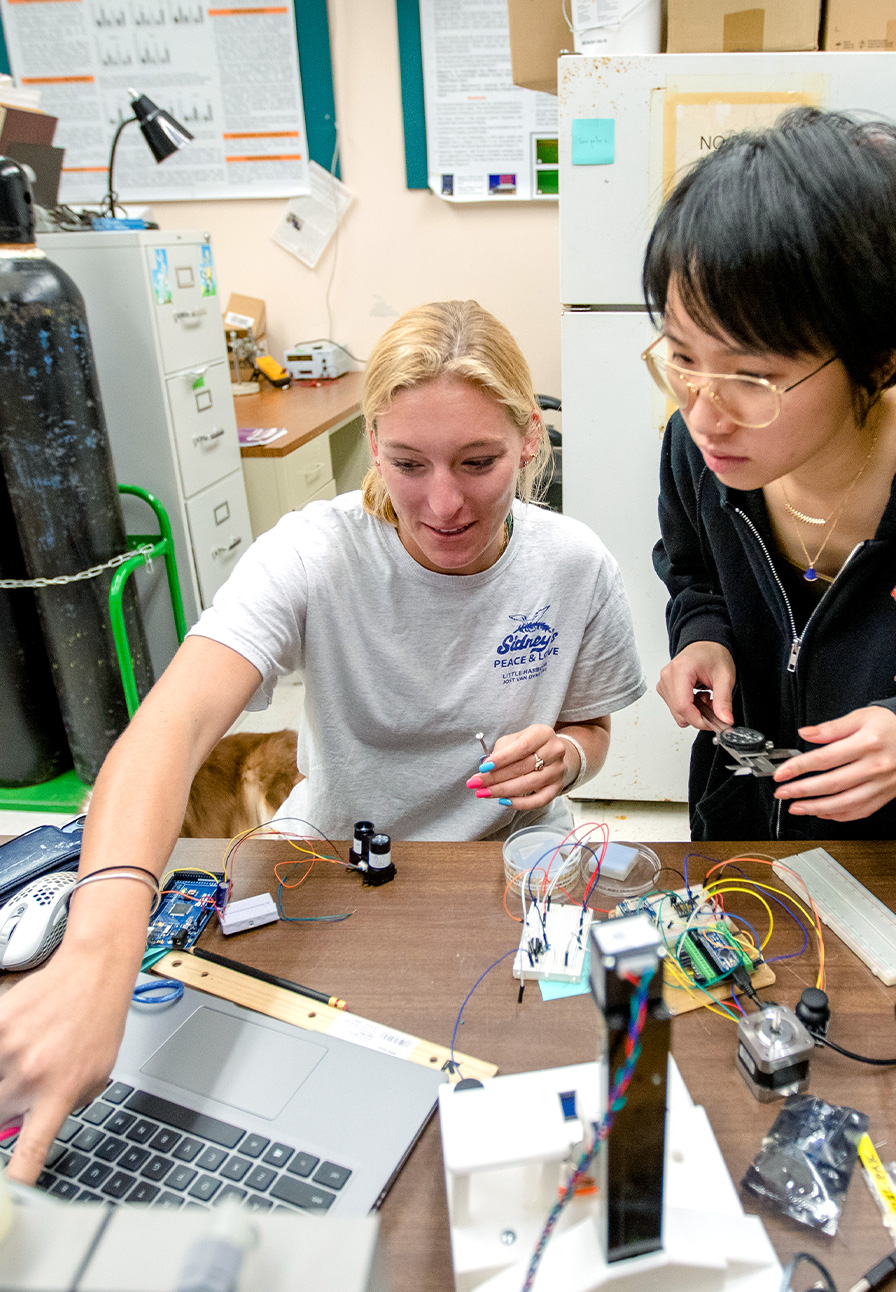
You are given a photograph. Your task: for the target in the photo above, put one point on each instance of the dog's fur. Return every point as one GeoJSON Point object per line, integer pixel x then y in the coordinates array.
{"type": "Point", "coordinates": [241, 784]}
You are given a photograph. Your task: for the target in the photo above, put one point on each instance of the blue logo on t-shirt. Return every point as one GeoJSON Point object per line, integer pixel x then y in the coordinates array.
{"type": "Point", "coordinates": [528, 647]}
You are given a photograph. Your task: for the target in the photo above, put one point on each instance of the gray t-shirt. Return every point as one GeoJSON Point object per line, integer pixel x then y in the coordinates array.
{"type": "Point", "coordinates": [402, 666]}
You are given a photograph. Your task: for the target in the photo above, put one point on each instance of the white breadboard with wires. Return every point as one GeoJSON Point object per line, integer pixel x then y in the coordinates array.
{"type": "Point", "coordinates": [857, 917]}
{"type": "Point", "coordinates": [552, 943]}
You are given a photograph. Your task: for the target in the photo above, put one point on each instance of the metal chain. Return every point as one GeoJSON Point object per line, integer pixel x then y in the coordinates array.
{"type": "Point", "coordinates": [143, 550]}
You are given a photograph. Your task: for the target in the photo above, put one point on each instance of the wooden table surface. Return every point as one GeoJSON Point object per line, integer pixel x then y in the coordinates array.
{"type": "Point", "coordinates": [412, 950]}
{"type": "Point", "coordinates": [305, 411]}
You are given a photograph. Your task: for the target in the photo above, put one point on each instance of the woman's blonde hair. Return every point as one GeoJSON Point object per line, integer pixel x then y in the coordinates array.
{"type": "Point", "coordinates": [458, 339]}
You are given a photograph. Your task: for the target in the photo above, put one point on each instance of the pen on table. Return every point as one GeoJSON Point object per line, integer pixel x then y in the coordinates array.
{"type": "Point", "coordinates": [876, 1277]}
{"type": "Point", "coordinates": [274, 981]}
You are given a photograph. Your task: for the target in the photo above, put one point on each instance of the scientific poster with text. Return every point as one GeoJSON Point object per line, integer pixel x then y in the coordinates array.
{"type": "Point", "coordinates": [229, 75]}
{"type": "Point", "coordinates": [486, 139]}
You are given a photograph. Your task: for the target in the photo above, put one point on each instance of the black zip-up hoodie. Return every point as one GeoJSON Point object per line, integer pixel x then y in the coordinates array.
{"type": "Point", "coordinates": [716, 558]}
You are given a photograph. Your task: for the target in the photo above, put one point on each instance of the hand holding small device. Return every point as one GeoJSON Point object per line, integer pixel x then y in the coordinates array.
{"type": "Point", "coordinates": [701, 666]}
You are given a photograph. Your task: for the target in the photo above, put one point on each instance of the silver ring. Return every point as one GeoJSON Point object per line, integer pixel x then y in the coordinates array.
{"type": "Point", "coordinates": [539, 763]}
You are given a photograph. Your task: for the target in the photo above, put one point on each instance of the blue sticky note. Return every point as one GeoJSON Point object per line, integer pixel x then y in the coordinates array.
{"type": "Point", "coordinates": [560, 990]}
{"type": "Point", "coordinates": [593, 141]}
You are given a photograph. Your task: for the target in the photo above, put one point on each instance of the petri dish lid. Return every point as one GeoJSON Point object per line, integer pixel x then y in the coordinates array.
{"type": "Point", "coordinates": [642, 877]}
{"type": "Point", "coordinates": [543, 847]}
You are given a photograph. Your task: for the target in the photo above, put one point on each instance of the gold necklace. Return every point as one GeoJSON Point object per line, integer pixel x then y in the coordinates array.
{"type": "Point", "coordinates": [810, 574]}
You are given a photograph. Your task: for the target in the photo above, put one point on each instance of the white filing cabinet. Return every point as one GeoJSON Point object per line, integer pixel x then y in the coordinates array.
{"type": "Point", "coordinates": [155, 323]}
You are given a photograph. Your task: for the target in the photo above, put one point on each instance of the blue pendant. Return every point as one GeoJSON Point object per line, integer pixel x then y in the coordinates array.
{"type": "Point", "coordinates": [810, 576]}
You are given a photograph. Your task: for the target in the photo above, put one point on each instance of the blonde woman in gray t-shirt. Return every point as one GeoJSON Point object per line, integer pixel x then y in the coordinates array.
{"type": "Point", "coordinates": [435, 603]}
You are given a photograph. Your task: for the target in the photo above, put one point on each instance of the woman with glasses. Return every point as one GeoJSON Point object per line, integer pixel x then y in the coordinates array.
{"type": "Point", "coordinates": [771, 272]}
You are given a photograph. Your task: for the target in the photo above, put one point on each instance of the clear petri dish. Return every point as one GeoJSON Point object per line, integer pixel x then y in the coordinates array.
{"type": "Point", "coordinates": [541, 850]}
{"type": "Point", "coordinates": [608, 891]}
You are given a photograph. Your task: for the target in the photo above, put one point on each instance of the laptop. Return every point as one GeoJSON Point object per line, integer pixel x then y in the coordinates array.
{"type": "Point", "coordinates": [210, 1101]}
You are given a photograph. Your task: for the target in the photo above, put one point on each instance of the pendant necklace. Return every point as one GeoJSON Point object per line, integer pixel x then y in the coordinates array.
{"type": "Point", "coordinates": [810, 574]}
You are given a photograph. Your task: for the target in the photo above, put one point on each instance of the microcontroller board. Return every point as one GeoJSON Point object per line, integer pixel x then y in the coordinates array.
{"type": "Point", "coordinates": [188, 903]}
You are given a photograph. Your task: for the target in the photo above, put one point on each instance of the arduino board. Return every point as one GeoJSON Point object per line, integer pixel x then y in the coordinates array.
{"type": "Point", "coordinates": [187, 905]}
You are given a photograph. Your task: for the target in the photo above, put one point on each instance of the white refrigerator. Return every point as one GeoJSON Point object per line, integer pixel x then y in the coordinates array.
{"type": "Point", "coordinates": [628, 125]}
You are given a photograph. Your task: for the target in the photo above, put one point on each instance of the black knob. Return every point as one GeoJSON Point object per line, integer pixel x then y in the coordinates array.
{"type": "Point", "coordinates": [814, 1011]}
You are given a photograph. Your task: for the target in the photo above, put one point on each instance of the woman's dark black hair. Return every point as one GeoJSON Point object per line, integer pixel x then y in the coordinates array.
{"type": "Point", "coordinates": [785, 241]}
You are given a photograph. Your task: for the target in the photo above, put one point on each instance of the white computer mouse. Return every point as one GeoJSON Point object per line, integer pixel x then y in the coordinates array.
{"type": "Point", "coordinates": [33, 921]}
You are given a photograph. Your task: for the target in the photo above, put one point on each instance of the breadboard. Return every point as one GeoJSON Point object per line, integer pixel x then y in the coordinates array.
{"type": "Point", "coordinates": [857, 917]}
{"type": "Point", "coordinates": [564, 938]}
{"type": "Point", "coordinates": [301, 1011]}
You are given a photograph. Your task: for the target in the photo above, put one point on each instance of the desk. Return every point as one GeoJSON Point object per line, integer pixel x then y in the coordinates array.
{"type": "Point", "coordinates": [414, 948]}
{"type": "Point", "coordinates": [322, 454]}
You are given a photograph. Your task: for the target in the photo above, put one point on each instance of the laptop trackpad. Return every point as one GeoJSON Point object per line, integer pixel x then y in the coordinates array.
{"type": "Point", "coordinates": [243, 1064]}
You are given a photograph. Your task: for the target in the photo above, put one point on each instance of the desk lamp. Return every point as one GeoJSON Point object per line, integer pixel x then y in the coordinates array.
{"type": "Point", "coordinates": [162, 133]}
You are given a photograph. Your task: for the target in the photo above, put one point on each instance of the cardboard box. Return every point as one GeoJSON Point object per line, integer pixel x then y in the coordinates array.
{"type": "Point", "coordinates": [728, 26]}
{"type": "Point", "coordinates": [539, 33]}
{"type": "Point", "coordinates": [243, 313]}
{"type": "Point", "coordinates": [24, 126]}
{"type": "Point", "coordinates": [860, 24]}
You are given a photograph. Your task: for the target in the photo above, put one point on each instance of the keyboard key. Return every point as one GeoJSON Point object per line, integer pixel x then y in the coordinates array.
{"type": "Point", "coordinates": [254, 1145]}
{"type": "Point", "coordinates": [333, 1176]}
{"type": "Point", "coordinates": [88, 1139]}
{"type": "Point", "coordinates": [156, 1168]}
{"type": "Point", "coordinates": [133, 1159]}
{"type": "Point", "coordinates": [260, 1178]}
{"type": "Point", "coordinates": [72, 1164]}
{"type": "Point", "coordinates": [120, 1122]}
{"type": "Point", "coordinates": [55, 1153]}
{"type": "Point", "coordinates": [205, 1188]}
{"type": "Point", "coordinates": [180, 1177]}
{"type": "Point", "coordinates": [303, 1164]}
{"type": "Point", "coordinates": [185, 1119]}
{"type": "Point", "coordinates": [86, 1196]}
{"type": "Point", "coordinates": [97, 1113]}
{"type": "Point", "coordinates": [68, 1132]}
{"type": "Point", "coordinates": [142, 1192]}
{"type": "Point", "coordinates": [230, 1193]}
{"type": "Point", "coordinates": [119, 1184]}
{"type": "Point", "coordinates": [165, 1141]}
{"type": "Point", "coordinates": [46, 1180]}
{"type": "Point", "coordinates": [117, 1092]}
{"type": "Point", "coordinates": [278, 1155]}
{"type": "Point", "coordinates": [169, 1200]}
{"type": "Point", "coordinates": [302, 1195]}
{"type": "Point", "coordinates": [255, 1203]}
{"type": "Point", "coordinates": [236, 1168]}
{"type": "Point", "coordinates": [110, 1149]}
{"type": "Point", "coordinates": [64, 1189]}
{"type": "Point", "coordinates": [95, 1174]}
{"type": "Point", "coordinates": [211, 1159]}
{"type": "Point", "coordinates": [187, 1149]}
{"type": "Point", "coordinates": [143, 1131]}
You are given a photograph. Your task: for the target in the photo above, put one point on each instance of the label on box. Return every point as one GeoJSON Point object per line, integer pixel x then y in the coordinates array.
{"type": "Point", "coordinates": [237, 320]}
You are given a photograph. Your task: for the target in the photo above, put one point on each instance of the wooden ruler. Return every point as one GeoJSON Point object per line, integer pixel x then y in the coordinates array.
{"type": "Point", "coordinates": [290, 1007]}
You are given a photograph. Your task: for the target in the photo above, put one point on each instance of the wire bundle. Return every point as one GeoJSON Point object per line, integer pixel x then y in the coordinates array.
{"type": "Point", "coordinates": [311, 851]}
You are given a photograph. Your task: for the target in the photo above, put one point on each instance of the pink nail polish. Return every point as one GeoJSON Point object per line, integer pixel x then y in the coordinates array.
{"type": "Point", "coordinates": [483, 794]}
{"type": "Point", "coordinates": [8, 1131]}
{"type": "Point", "coordinates": [474, 782]}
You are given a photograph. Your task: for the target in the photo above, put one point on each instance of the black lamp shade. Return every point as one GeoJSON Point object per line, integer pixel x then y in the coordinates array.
{"type": "Point", "coordinates": [163, 134]}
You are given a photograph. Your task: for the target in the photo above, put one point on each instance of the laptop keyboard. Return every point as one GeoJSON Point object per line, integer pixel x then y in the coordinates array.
{"type": "Point", "coordinates": [131, 1146]}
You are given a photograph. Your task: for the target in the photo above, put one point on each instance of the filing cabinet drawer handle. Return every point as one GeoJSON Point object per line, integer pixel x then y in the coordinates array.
{"type": "Point", "coordinates": [190, 318]}
{"type": "Point", "coordinates": [208, 436]}
{"type": "Point", "coordinates": [223, 551]}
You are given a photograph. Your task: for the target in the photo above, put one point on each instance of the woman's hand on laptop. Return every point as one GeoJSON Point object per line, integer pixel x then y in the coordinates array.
{"type": "Point", "coordinates": [60, 1029]}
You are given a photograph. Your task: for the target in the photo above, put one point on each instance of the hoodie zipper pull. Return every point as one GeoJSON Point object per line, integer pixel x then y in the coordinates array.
{"type": "Point", "coordinates": [794, 655]}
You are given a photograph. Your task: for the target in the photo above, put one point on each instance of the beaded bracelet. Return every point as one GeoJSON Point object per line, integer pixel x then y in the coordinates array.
{"type": "Point", "coordinates": [582, 773]}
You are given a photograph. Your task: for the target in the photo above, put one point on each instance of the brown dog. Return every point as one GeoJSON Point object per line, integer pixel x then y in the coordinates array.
{"type": "Point", "coordinates": [242, 783]}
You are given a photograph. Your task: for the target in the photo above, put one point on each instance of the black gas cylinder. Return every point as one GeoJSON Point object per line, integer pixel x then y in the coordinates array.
{"type": "Point", "coordinates": [34, 748]}
{"type": "Point", "coordinates": [55, 456]}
